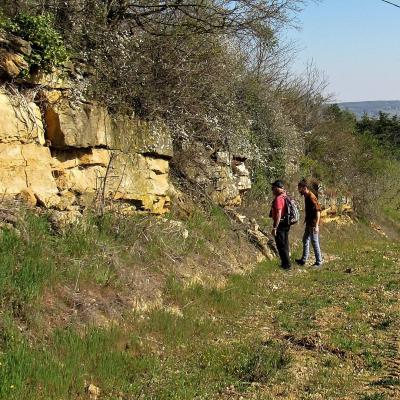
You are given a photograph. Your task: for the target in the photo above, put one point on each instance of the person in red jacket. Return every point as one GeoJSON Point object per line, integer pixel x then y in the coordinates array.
{"type": "Point", "coordinates": [280, 226]}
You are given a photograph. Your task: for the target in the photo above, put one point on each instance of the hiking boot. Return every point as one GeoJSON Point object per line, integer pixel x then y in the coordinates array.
{"type": "Point", "coordinates": [300, 261]}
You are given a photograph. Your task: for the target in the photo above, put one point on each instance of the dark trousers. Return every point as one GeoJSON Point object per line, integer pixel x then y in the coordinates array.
{"type": "Point", "coordinates": [282, 244]}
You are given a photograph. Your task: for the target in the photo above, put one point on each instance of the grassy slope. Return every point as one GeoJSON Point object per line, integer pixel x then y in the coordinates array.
{"type": "Point", "coordinates": [305, 334]}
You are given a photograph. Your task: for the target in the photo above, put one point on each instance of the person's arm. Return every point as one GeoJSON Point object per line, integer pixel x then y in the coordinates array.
{"type": "Point", "coordinates": [316, 229]}
{"type": "Point", "coordinates": [317, 208]}
{"type": "Point", "coordinates": [279, 205]}
{"type": "Point", "coordinates": [276, 219]}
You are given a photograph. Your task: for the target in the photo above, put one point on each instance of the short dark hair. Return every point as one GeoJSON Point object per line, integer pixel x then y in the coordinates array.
{"type": "Point", "coordinates": [303, 183]}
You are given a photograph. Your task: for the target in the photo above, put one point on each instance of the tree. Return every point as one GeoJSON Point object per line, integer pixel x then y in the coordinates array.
{"type": "Point", "coordinates": [162, 17]}
{"type": "Point", "coordinates": [385, 128]}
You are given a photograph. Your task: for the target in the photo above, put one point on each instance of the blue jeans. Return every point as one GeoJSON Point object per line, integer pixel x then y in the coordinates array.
{"type": "Point", "coordinates": [309, 234]}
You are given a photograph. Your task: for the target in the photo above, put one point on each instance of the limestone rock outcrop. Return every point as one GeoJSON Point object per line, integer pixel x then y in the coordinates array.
{"type": "Point", "coordinates": [81, 126]}
{"type": "Point", "coordinates": [222, 175]}
{"type": "Point", "coordinates": [133, 135]}
{"type": "Point", "coordinates": [24, 166]}
{"type": "Point", "coordinates": [20, 121]}
{"type": "Point", "coordinates": [143, 181]}
{"type": "Point", "coordinates": [12, 52]}
{"type": "Point", "coordinates": [78, 154]}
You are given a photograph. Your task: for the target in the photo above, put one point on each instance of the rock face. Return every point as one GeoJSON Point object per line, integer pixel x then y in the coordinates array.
{"type": "Point", "coordinates": [81, 156]}
{"type": "Point", "coordinates": [24, 166]}
{"type": "Point", "coordinates": [223, 176]}
{"type": "Point", "coordinates": [132, 135]}
{"type": "Point", "coordinates": [143, 181]}
{"type": "Point", "coordinates": [12, 52]}
{"type": "Point", "coordinates": [11, 64]}
{"type": "Point", "coordinates": [85, 126]}
{"type": "Point", "coordinates": [333, 204]}
{"type": "Point", "coordinates": [24, 162]}
{"type": "Point", "coordinates": [20, 121]}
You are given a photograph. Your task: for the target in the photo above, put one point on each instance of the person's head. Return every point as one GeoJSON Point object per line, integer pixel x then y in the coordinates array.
{"type": "Point", "coordinates": [302, 187]}
{"type": "Point", "coordinates": [277, 187]}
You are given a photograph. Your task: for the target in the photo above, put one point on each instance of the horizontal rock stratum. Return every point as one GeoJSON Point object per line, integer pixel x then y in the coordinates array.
{"type": "Point", "coordinates": [74, 152]}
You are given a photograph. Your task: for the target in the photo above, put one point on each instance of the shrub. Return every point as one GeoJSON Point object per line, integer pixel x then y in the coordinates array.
{"type": "Point", "coordinates": [48, 48]}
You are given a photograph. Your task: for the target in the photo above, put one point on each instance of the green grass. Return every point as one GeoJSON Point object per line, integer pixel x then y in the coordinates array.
{"type": "Point", "coordinates": [24, 267]}
{"type": "Point", "coordinates": [375, 396]}
{"type": "Point", "coordinates": [217, 338]}
{"type": "Point", "coordinates": [34, 258]}
{"type": "Point", "coordinates": [258, 363]}
{"type": "Point", "coordinates": [63, 368]}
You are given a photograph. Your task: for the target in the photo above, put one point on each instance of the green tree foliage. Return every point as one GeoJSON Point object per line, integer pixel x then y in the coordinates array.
{"type": "Point", "coordinates": [48, 48]}
{"type": "Point", "coordinates": [385, 128]}
{"type": "Point", "coordinates": [350, 161]}
{"type": "Point", "coordinates": [330, 147]}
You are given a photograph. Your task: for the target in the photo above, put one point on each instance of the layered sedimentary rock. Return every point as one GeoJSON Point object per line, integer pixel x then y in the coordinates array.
{"type": "Point", "coordinates": [83, 126]}
{"type": "Point", "coordinates": [12, 52]}
{"type": "Point", "coordinates": [79, 156]}
{"type": "Point", "coordinates": [24, 166]}
{"type": "Point", "coordinates": [121, 159]}
{"type": "Point", "coordinates": [20, 121]}
{"type": "Point", "coordinates": [222, 175]}
{"type": "Point", "coordinates": [133, 135]}
{"type": "Point", "coordinates": [24, 161]}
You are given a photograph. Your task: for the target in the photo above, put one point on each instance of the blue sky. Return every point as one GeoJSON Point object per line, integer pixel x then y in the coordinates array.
{"type": "Point", "coordinates": [356, 43]}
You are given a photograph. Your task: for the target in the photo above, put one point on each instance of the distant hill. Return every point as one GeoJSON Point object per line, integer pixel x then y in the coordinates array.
{"type": "Point", "coordinates": [372, 108]}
